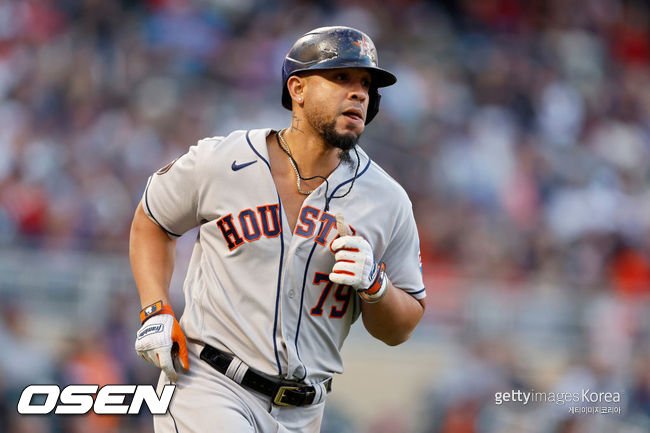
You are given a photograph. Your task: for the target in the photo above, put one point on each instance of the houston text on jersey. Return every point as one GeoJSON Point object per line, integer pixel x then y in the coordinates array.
{"type": "Point", "coordinates": [250, 225]}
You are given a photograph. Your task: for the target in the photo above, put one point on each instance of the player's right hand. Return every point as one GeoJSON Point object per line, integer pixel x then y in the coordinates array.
{"type": "Point", "coordinates": [160, 339]}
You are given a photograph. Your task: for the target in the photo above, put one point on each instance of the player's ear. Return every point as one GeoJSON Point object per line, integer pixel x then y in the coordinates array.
{"type": "Point", "coordinates": [296, 87]}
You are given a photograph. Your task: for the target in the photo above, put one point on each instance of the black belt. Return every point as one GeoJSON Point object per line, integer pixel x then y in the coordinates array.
{"type": "Point", "coordinates": [283, 393]}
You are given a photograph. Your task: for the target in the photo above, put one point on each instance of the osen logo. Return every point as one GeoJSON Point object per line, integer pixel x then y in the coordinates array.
{"type": "Point", "coordinates": [78, 399]}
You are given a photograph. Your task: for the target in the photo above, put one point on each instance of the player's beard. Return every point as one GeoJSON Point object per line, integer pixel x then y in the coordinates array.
{"type": "Point", "coordinates": [345, 142]}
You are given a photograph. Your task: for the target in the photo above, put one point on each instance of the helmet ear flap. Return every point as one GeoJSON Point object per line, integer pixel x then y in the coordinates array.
{"type": "Point", "coordinates": [373, 104]}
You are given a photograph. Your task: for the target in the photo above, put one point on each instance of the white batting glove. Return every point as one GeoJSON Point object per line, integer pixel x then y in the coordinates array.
{"type": "Point", "coordinates": [355, 265]}
{"type": "Point", "coordinates": [161, 338]}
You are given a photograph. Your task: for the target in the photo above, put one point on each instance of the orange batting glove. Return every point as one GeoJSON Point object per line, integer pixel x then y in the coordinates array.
{"type": "Point", "coordinates": [161, 339]}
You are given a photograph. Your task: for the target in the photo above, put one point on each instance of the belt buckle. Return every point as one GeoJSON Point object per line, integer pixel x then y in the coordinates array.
{"type": "Point", "coordinates": [280, 394]}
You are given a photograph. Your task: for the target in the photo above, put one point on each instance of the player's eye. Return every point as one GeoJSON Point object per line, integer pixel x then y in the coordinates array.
{"type": "Point", "coordinates": [341, 76]}
{"type": "Point", "coordinates": [365, 83]}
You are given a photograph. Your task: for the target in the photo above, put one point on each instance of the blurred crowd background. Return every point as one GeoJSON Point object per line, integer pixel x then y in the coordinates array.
{"type": "Point", "coordinates": [520, 129]}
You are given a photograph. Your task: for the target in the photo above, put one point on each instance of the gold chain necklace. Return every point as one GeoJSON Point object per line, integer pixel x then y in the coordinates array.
{"type": "Point", "coordinates": [285, 147]}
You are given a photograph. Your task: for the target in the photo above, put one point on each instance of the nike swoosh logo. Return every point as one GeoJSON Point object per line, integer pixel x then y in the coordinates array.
{"type": "Point", "coordinates": [236, 166]}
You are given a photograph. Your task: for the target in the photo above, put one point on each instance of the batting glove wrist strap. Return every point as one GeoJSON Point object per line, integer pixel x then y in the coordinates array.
{"type": "Point", "coordinates": [153, 309]}
{"type": "Point", "coordinates": [377, 289]}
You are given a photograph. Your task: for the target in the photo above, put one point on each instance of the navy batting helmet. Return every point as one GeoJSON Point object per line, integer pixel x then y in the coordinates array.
{"type": "Point", "coordinates": [334, 48]}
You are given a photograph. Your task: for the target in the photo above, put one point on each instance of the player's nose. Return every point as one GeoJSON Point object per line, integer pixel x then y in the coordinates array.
{"type": "Point", "coordinates": [358, 91]}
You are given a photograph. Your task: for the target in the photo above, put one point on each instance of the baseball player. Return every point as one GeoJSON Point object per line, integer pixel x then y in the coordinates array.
{"type": "Point", "coordinates": [299, 234]}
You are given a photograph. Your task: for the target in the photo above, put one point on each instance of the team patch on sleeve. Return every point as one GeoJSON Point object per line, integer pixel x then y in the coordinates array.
{"type": "Point", "coordinates": [166, 168]}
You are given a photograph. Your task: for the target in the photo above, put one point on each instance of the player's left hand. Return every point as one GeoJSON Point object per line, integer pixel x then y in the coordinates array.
{"type": "Point", "coordinates": [356, 266]}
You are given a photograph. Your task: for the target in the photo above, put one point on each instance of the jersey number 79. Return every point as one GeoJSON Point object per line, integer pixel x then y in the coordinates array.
{"type": "Point", "coordinates": [342, 295]}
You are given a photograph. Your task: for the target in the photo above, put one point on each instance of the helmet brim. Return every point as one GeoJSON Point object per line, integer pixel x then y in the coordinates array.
{"type": "Point", "coordinates": [380, 78]}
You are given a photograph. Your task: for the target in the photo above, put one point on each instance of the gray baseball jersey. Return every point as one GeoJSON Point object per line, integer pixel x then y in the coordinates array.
{"type": "Point", "coordinates": [254, 288]}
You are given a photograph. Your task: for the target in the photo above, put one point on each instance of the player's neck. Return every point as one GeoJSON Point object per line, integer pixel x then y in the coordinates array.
{"type": "Point", "coordinates": [311, 153]}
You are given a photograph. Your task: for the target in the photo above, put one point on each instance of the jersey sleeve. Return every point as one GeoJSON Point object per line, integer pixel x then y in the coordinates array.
{"type": "Point", "coordinates": [402, 255]}
{"type": "Point", "coordinates": [170, 198]}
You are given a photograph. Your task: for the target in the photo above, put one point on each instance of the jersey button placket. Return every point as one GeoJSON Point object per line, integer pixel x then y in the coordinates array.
{"type": "Point", "coordinates": [299, 372]}
{"type": "Point", "coordinates": [298, 253]}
